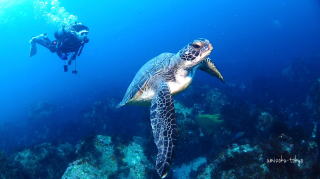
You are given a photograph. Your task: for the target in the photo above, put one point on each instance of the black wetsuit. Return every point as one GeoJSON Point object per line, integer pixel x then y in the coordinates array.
{"type": "Point", "coordinates": [68, 42]}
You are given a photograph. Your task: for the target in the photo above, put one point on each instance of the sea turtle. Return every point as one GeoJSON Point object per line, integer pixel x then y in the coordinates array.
{"type": "Point", "coordinates": [156, 82]}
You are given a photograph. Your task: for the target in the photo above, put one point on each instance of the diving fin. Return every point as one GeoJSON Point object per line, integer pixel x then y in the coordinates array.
{"type": "Point", "coordinates": [33, 48]}
{"type": "Point", "coordinates": [208, 66]}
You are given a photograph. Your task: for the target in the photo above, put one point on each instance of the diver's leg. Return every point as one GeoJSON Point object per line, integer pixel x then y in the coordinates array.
{"type": "Point", "coordinates": [64, 57]}
{"type": "Point", "coordinates": [65, 68]}
{"type": "Point", "coordinates": [41, 39]}
{"type": "Point", "coordinates": [69, 62]}
{"type": "Point", "coordinates": [72, 58]}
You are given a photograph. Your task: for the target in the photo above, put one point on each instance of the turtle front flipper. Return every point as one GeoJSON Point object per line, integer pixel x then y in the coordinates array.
{"type": "Point", "coordinates": [208, 66]}
{"type": "Point", "coordinates": [163, 122]}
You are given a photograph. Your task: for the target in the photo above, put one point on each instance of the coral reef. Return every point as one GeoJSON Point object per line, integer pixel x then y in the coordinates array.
{"type": "Point", "coordinates": [96, 159]}
{"type": "Point", "coordinates": [237, 131]}
{"type": "Point", "coordinates": [238, 161]}
{"type": "Point", "coordinates": [8, 169]}
{"type": "Point", "coordinates": [54, 158]}
{"type": "Point", "coordinates": [135, 160]}
{"type": "Point", "coordinates": [185, 170]}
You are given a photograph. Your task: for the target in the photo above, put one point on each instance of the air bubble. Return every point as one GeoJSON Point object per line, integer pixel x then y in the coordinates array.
{"type": "Point", "coordinates": [54, 13]}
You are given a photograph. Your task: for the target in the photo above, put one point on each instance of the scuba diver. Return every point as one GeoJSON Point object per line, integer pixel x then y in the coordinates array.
{"type": "Point", "coordinates": [68, 44]}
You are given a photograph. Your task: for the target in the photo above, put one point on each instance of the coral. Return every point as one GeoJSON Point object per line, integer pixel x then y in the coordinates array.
{"type": "Point", "coordinates": [207, 173]}
{"type": "Point", "coordinates": [236, 162]}
{"type": "Point", "coordinates": [45, 160]}
{"type": "Point", "coordinates": [185, 121]}
{"type": "Point", "coordinates": [135, 159]}
{"type": "Point", "coordinates": [236, 149]}
{"type": "Point", "coordinates": [234, 137]}
{"type": "Point", "coordinates": [104, 146]}
{"type": "Point", "coordinates": [8, 170]}
{"type": "Point", "coordinates": [81, 169]}
{"type": "Point", "coordinates": [184, 171]}
{"type": "Point", "coordinates": [97, 160]}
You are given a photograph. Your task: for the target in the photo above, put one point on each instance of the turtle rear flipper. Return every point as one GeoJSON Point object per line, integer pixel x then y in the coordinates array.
{"type": "Point", "coordinates": [163, 122]}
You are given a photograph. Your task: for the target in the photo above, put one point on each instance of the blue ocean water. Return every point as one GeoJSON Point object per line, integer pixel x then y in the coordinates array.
{"type": "Point", "coordinates": [268, 52]}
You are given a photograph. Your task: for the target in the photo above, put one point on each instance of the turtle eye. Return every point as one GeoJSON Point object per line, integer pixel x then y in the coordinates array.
{"type": "Point", "coordinates": [195, 45]}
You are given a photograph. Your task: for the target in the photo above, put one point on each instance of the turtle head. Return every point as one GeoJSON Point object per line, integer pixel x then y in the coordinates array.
{"type": "Point", "coordinates": [195, 52]}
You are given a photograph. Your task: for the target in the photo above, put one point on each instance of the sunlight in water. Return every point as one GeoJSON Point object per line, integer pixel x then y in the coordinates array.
{"type": "Point", "coordinates": [11, 9]}
{"type": "Point", "coordinates": [51, 10]}
{"type": "Point", "coordinates": [54, 12]}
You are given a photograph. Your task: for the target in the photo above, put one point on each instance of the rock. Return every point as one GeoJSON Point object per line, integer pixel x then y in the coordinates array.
{"type": "Point", "coordinates": [99, 157]}
{"type": "Point", "coordinates": [185, 170]}
{"type": "Point", "coordinates": [135, 160]}
{"type": "Point", "coordinates": [96, 160]}
{"type": "Point", "coordinates": [45, 160]}
{"type": "Point", "coordinates": [238, 161]}
{"type": "Point", "coordinates": [8, 169]}
{"type": "Point", "coordinates": [82, 169]}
